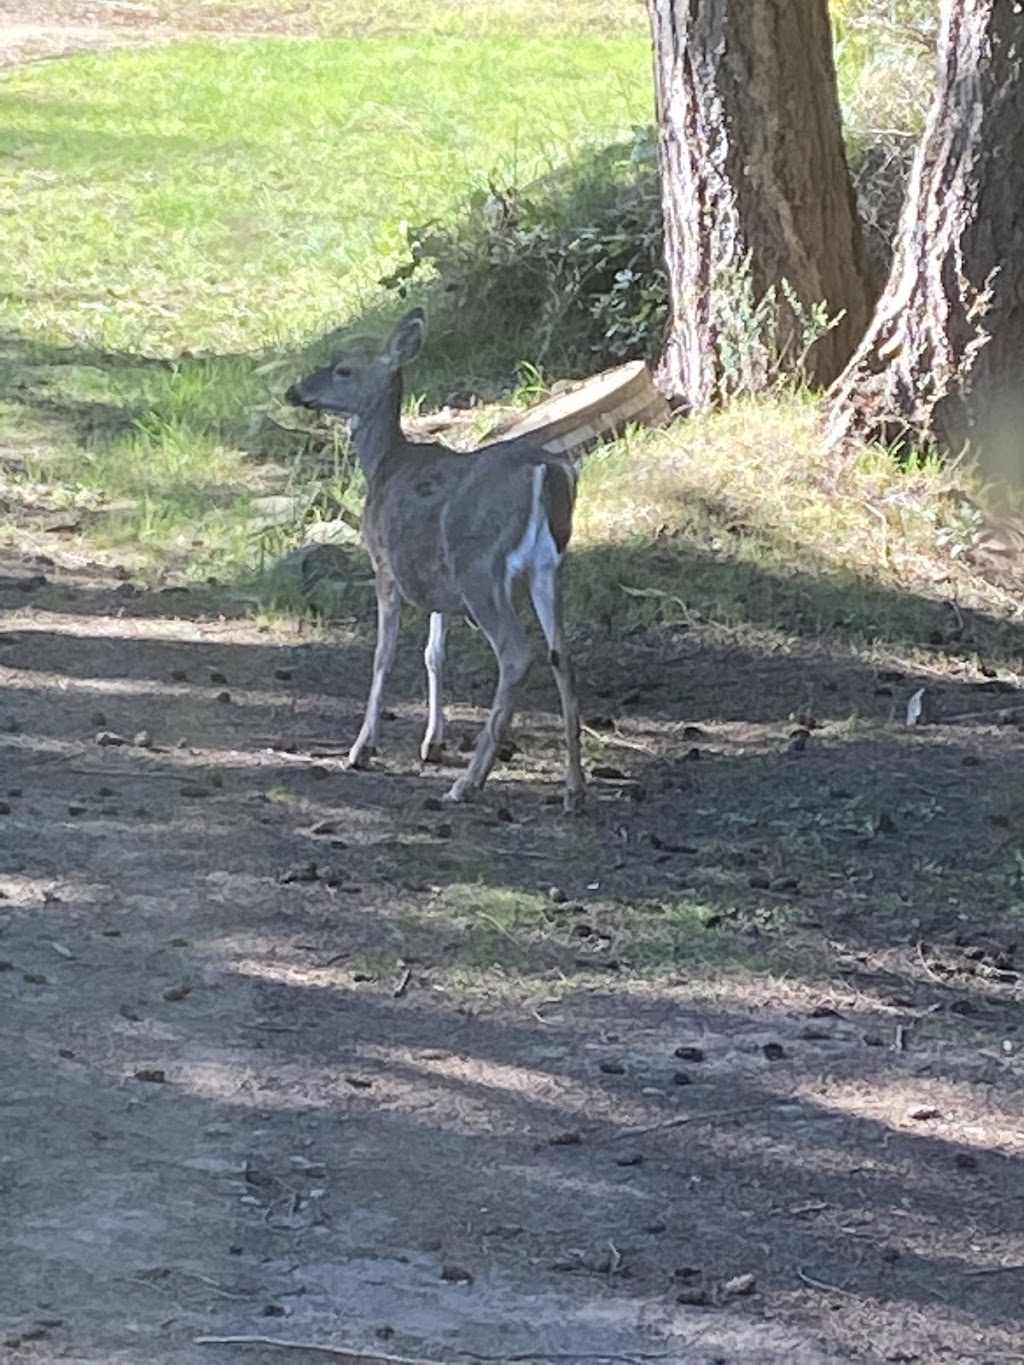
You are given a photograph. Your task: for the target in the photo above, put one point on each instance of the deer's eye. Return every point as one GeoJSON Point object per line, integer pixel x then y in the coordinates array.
{"type": "Point", "coordinates": [342, 372]}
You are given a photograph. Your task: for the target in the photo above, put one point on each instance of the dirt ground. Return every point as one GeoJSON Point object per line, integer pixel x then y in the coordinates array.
{"type": "Point", "coordinates": [246, 1098]}
{"type": "Point", "coordinates": [279, 1081]}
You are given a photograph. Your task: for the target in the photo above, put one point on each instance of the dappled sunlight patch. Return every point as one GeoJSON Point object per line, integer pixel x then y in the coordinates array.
{"type": "Point", "coordinates": [744, 519]}
{"type": "Point", "coordinates": [933, 1104]}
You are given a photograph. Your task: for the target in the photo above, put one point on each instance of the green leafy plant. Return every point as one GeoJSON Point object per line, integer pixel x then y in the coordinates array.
{"type": "Point", "coordinates": [574, 261]}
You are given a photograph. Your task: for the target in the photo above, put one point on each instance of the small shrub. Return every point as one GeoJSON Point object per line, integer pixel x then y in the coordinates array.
{"type": "Point", "coordinates": [573, 265]}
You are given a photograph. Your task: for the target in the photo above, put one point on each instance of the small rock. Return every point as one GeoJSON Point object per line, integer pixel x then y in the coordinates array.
{"type": "Point", "coordinates": [77, 808]}
{"type": "Point", "coordinates": [194, 789]}
{"type": "Point", "coordinates": [787, 882]}
{"type": "Point", "coordinates": [109, 739]}
{"type": "Point", "coordinates": [173, 993]}
{"type": "Point", "coordinates": [774, 1051]}
{"type": "Point", "coordinates": [612, 1068]}
{"type": "Point", "coordinates": [455, 1274]}
{"type": "Point", "coordinates": [681, 1078]}
{"type": "Point", "coordinates": [223, 697]}
{"type": "Point", "coordinates": [284, 674]}
{"type": "Point", "coordinates": [566, 1139]}
{"type": "Point", "coordinates": [686, 1052]}
{"type": "Point", "coordinates": [99, 719]}
{"type": "Point", "coordinates": [35, 978]}
{"type": "Point", "coordinates": [154, 1075]}
{"type": "Point", "coordinates": [556, 895]}
{"type": "Point", "coordinates": [217, 676]}
{"type": "Point", "coordinates": [739, 1286]}
{"type": "Point", "coordinates": [656, 1227]}
{"type": "Point", "coordinates": [359, 1082]}
{"type": "Point", "coordinates": [630, 1159]}
{"type": "Point", "coordinates": [693, 1294]}
{"type": "Point", "coordinates": [798, 741]}
{"type": "Point", "coordinates": [5, 807]}
{"type": "Point", "coordinates": [965, 1161]}
{"type": "Point", "coordinates": [433, 803]}
{"type": "Point", "coordinates": [299, 872]}
{"type": "Point", "coordinates": [924, 1112]}
{"type": "Point", "coordinates": [143, 739]}
{"type": "Point", "coordinates": [179, 675]}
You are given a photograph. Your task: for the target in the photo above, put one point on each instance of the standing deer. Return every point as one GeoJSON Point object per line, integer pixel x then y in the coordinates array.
{"type": "Point", "coordinates": [453, 534]}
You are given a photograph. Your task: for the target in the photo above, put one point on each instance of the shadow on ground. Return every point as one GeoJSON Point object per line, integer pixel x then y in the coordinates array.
{"type": "Point", "coordinates": [726, 1069]}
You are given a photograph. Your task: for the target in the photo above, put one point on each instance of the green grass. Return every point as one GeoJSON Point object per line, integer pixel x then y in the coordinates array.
{"type": "Point", "coordinates": [226, 199]}
{"type": "Point", "coordinates": [181, 223]}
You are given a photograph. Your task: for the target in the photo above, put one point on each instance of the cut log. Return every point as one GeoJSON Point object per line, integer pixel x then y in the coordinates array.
{"type": "Point", "coordinates": [594, 410]}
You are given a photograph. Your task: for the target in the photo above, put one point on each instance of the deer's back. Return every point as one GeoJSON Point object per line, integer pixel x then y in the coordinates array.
{"type": "Point", "coordinates": [436, 516]}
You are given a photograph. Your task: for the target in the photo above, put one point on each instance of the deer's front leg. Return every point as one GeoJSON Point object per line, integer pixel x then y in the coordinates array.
{"type": "Point", "coordinates": [432, 748]}
{"type": "Point", "coordinates": [389, 610]}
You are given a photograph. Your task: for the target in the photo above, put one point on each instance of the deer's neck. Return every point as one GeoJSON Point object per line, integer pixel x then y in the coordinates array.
{"type": "Point", "coordinates": [378, 431]}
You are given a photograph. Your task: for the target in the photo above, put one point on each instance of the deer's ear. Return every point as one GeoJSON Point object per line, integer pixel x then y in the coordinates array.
{"type": "Point", "coordinates": [405, 341]}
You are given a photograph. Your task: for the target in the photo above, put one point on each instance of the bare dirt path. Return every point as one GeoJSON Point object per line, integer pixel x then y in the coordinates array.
{"type": "Point", "coordinates": [247, 1098]}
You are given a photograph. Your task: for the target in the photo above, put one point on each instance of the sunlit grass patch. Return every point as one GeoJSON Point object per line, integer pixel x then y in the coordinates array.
{"type": "Point", "coordinates": [745, 518]}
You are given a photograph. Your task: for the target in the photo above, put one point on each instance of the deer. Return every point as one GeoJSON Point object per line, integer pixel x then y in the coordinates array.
{"type": "Point", "coordinates": [453, 533]}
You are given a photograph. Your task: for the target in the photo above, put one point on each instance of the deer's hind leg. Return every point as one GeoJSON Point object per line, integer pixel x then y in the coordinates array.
{"type": "Point", "coordinates": [546, 595]}
{"type": "Point", "coordinates": [495, 615]}
{"type": "Point", "coordinates": [432, 748]}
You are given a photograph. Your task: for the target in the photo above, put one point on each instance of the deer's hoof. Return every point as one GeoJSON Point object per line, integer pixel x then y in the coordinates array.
{"type": "Point", "coordinates": [360, 758]}
{"type": "Point", "coordinates": [433, 752]}
{"type": "Point", "coordinates": [457, 794]}
{"type": "Point", "coordinates": [574, 801]}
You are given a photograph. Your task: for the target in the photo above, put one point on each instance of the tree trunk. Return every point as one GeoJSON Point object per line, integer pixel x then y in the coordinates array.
{"type": "Point", "coordinates": [943, 359]}
{"type": "Point", "coordinates": [756, 192]}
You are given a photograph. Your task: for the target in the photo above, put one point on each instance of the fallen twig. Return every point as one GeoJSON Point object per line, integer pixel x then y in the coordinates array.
{"type": "Point", "coordinates": [616, 742]}
{"type": "Point", "coordinates": [1003, 715]}
{"type": "Point", "coordinates": [932, 971]}
{"type": "Point", "coordinates": [994, 1269]}
{"type": "Point", "coordinates": [335, 1352]}
{"type": "Point", "coordinates": [680, 1120]}
{"type": "Point", "coordinates": [823, 1284]}
{"type": "Point", "coordinates": [372, 1358]}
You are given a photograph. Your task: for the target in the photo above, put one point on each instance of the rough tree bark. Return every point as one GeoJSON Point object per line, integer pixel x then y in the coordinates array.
{"type": "Point", "coordinates": [755, 184]}
{"type": "Point", "coordinates": [943, 358]}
